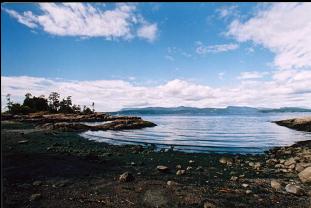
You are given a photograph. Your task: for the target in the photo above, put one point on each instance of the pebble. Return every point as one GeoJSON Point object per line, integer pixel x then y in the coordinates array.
{"type": "Point", "coordinates": [276, 185]}
{"type": "Point", "coordinates": [199, 168]}
{"type": "Point", "coordinates": [171, 183]}
{"type": "Point", "coordinates": [245, 185]}
{"type": "Point", "coordinates": [248, 191]}
{"type": "Point", "coordinates": [225, 160]}
{"type": "Point", "coordinates": [189, 168]}
{"type": "Point", "coordinates": [22, 142]}
{"type": "Point", "coordinates": [233, 178]}
{"type": "Point", "coordinates": [37, 183]}
{"type": "Point", "coordinates": [191, 161]}
{"type": "Point", "coordinates": [126, 177]}
{"type": "Point", "coordinates": [178, 166]}
{"type": "Point", "coordinates": [162, 168]}
{"type": "Point", "coordinates": [180, 172]}
{"type": "Point", "coordinates": [208, 205]}
{"type": "Point", "coordinates": [35, 197]}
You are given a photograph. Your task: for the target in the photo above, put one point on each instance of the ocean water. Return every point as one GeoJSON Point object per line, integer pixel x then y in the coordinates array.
{"type": "Point", "coordinates": [230, 133]}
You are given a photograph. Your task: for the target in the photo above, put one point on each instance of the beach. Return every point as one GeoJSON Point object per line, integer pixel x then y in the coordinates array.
{"type": "Point", "coordinates": [47, 168]}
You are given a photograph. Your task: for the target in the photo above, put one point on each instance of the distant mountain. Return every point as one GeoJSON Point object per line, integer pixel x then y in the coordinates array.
{"type": "Point", "coordinates": [285, 110]}
{"type": "Point", "coordinates": [230, 110]}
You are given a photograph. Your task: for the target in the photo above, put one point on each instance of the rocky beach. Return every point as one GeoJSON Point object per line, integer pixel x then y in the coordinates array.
{"type": "Point", "coordinates": [48, 165]}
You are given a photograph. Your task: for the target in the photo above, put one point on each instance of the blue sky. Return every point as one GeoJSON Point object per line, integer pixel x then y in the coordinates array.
{"type": "Point", "coordinates": [199, 49]}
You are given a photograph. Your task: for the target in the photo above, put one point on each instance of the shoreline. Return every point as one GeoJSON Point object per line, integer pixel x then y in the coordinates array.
{"type": "Point", "coordinates": [47, 168]}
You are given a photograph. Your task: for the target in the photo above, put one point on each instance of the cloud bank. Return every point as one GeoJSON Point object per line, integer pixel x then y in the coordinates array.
{"type": "Point", "coordinates": [286, 88]}
{"type": "Point", "coordinates": [87, 20]}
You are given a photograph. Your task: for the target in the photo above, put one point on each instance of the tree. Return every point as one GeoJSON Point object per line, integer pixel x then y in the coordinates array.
{"type": "Point", "coordinates": [9, 102]}
{"type": "Point", "coordinates": [93, 107]}
{"type": "Point", "coordinates": [54, 101]}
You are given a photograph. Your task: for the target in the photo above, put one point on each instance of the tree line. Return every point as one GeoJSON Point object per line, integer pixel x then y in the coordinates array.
{"type": "Point", "coordinates": [52, 104]}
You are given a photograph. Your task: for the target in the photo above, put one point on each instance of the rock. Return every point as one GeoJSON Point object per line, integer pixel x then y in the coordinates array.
{"type": "Point", "coordinates": [301, 124]}
{"type": "Point", "coordinates": [279, 166]}
{"type": "Point", "coordinates": [172, 183]}
{"type": "Point", "coordinates": [299, 167]}
{"type": "Point", "coordinates": [225, 160]}
{"type": "Point", "coordinates": [37, 183]}
{"type": "Point", "coordinates": [199, 168]}
{"type": "Point", "coordinates": [178, 166]}
{"type": "Point", "coordinates": [208, 205]}
{"type": "Point", "coordinates": [282, 161]}
{"type": "Point", "coordinates": [156, 198]}
{"type": "Point", "coordinates": [257, 165]}
{"type": "Point", "coordinates": [35, 197]}
{"type": "Point", "coordinates": [23, 142]}
{"type": "Point", "coordinates": [162, 168]}
{"type": "Point", "coordinates": [126, 177]}
{"type": "Point", "coordinates": [305, 175]}
{"type": "Point", "coordinates": [189, 168]}
{"type": "Point", "coordinates": [180, 172]}
{"type": "Point", "coordinates": [133, 164]}
{"type": "Point", "coordinates": [245, 185]}
{"type": "Point", "coordinates": [276, 185]}
{"type": "Point", "coordinates": [248, 191]}
{"type": "Point", "coordinates": [233, 178]}
{"type": "Point", "coordinates": [251, 164]}
{"type": "Point", "coordinates": [191, 161]}
{"type": "Point", "coordinates": [292, 166]}
{"type": "Point", "coordinates": [289, 161]}
{"type": "Point", "coordinates": [293, 189]}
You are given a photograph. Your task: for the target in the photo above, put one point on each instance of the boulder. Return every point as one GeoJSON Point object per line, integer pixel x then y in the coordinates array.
{"type": "Point", "coordinates": [305, 175]}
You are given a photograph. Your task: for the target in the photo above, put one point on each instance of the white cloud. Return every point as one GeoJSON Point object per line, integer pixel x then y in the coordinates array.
{"type": "Point", "coordinates": [148, 31]}
{"type": "Point", "coordinates": [202, 49]}
{"type": "Point", "coordinates": [26, 18]}
{"type": "Point", "coordinates": [252, 75]}
{"type": "Point", "coordinates": [227, 11]}
{"type": "Point", "coordinates": [284, 28]}
{"type": "Point", "coordinates": [292, 88]}
{"type": "Point", "coordinates": [87, 20]}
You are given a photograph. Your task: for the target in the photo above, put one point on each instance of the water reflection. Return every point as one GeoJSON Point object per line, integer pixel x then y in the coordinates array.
{"type": "Point", "coordinates": [234, 134]}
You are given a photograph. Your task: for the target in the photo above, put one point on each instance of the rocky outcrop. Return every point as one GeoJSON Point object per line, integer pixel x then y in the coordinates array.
{"type": "Point", "coordinates": [119, 124]}
{"type": "Point", "coordinates": [301, 124]}
{"type": "Point", "coordinates": [44, 117]}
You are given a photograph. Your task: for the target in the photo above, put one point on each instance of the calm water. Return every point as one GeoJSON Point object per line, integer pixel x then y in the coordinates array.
{"type": "Point", "coordinates": [232, 134]}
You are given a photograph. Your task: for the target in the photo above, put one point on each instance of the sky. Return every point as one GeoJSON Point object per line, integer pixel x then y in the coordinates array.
{"type": "Point", "coordinates": [125, 55]}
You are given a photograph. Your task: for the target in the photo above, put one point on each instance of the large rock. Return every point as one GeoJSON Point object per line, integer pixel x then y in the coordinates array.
{"type": "Point", "coordinates": [305, 175]}
{"type": "Point", "coordinates": [118, 124]}
{"type": "Point", "coordinates": [301, 124]}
